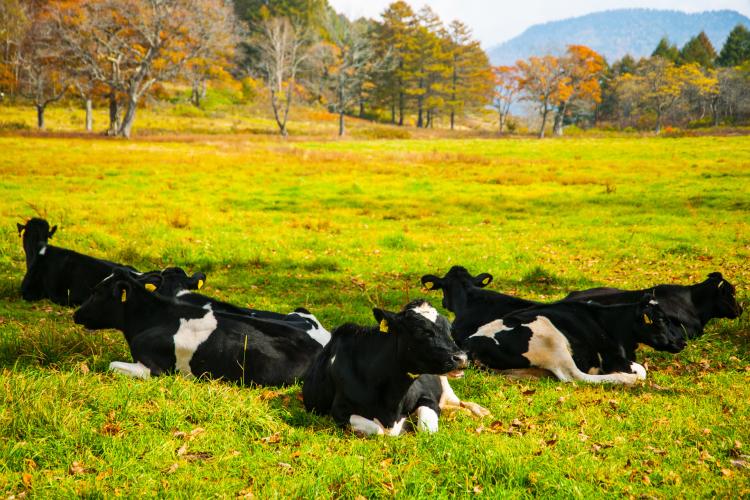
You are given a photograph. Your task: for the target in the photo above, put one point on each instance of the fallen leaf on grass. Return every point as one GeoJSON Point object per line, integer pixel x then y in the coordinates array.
{"type": "Point", "coordinates": [172, 468]}
{"type": "Point", "coordinates": [198, 455]}
{"type": "Point", "coordinates": [272, 439]}
{"type": "Point", "coordinates": [76, 468]}
{"type": "Point", "coordinates": [111, 429]}
{"type": "Point", "coordinates": [26, 478]}
{"type": "Point", "coordinates": [656, 450]}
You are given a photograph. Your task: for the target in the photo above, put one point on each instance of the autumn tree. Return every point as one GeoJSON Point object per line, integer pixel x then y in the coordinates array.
{"type": "Point", "coordinates": [582, 68]}
{"type": "Point", "coordinates": [507, 91]}
{"type": "Point", "coordinates": [14, 25]}
{"type": "Point", "coordinates": [541, 79]}
{"type": "Point", "coordinates": [471, 78]}
{"type": "Point", "coordinates": [698, 50]}
{"type": "Point", "coordinates": [736, 49]}
{"type": "Point", "coordinates": [282, 49]}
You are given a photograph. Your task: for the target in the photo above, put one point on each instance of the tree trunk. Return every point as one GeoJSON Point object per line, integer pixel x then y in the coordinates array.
{"type": "Point", "coordinates": [114, 115]}
{"type": "Point", "coordinates": [341, 123]}
{"type": "Point", "coordinates": [89, 115]}
{"type": "Point", "coordinates": [361, 108]}
{"type": "Point", "coordinates": [657, 129]}
{"type": "Point", "coordinates": [393, 111]}
{"type": "Point", "coordinates": [420, 111]}
{"type": "Point", "coordinates": [40, 116]}
{"type": "Point", "coordinates": [126, 127]}
{"type": "Point", "coordinates": [502, 121]}
{"type": "Point", "coordinates": [544, 123]}
{"type": "Point", "coordinates": [557, 128]}
{"type": "Point", "coordinates": [453, 118]}
{"type": "Point", "coordinates": [400, 109]}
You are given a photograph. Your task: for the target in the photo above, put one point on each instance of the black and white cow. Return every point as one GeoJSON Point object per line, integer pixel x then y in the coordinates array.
{"type": "Point", "coordinates": [689, 306]}
{"type": "Point", "coordinates": [364, 375]}
{"type": "Point", "coordinates": [465, 296]}
{"type": "Point", "coordinates": [576, 340]}
{"type": "Point", "coordinates": [171, 281]}
{"type": "Point", "coordinates": [168, 336]}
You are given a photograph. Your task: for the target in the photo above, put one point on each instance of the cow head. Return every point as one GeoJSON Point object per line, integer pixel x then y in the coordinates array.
{"type": "Point", "coordinates": [35, 234]}
{"type": "Point", "coordinates": [655, 329]}
{"type": "Point", "coordinates": [454, 285]}
{"type": "Point", "coordinates": [423, 337]}
{"type": "Point", "coordinates": [720, 298]}
{"type": "Point", "coordinates": [105, 308]}
{"type": "Point", "coordinates": [170, 281]}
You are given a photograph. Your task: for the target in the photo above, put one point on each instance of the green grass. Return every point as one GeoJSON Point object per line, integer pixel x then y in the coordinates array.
{"type": "Point", "coordinates": [340, 227]}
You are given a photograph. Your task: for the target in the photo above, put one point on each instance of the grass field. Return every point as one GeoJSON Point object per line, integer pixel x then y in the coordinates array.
{"type": "Point", "coordinates": [340, 227]}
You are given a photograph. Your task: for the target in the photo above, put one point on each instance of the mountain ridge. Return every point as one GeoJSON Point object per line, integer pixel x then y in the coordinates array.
{"type": "Point", "coordinates": [614, 33]}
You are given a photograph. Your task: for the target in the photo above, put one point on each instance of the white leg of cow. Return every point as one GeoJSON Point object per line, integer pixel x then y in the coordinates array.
{"type": "Point", "coordinates": [398, 426]}
{"type": "Point", "coordinates": [135, 370]}
{"type": "Point", "coordinates": [362, 425]}
{"type": "Point", "coordinates": [427, 420]}
{"type": "Point", "coordinates": [549, 348]}
{"type": "Point", "coordinates": [448, 399]}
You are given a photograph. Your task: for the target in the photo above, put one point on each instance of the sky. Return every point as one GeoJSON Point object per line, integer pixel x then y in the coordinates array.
{"type": "Point", "coordinates": [494, 21]}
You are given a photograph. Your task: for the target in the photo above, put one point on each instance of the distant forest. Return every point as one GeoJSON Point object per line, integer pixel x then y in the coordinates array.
{"type": "Point", "coordinates": [406, 68]}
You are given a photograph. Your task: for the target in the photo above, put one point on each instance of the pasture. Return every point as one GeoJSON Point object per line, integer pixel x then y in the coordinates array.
{"type": "Point", "coordinates": [340, 227]}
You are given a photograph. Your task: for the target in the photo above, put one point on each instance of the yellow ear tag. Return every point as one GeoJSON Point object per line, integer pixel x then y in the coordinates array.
{"type": "Point", "coordinates": [200, 284]}
{"type": "Point", "coordinates": [148, 286]}
{"type": "Point", "coordinates": [429, 284]}
{"type": "Point", "coordinates": [647, 320]}
{"type": "Point", "coordinates": [412, 375]}
{"type": "Point", "coordinates": [384, 326]}
{"type": "Point", "coordinates": [124, 297]}
{"type": "Point", "coordinates": [486, 281]}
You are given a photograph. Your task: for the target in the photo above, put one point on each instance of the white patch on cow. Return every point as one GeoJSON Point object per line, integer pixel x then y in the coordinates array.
{"type": "Point", "coordinates": [362, 425]}
{"type": "Point", "coordinates": [639, 370]}
{"type": "Point", "coordinates": [190, 335]}
{"type": "Point", "coordinates": [427, 420]}
{"type": "Point", "coordinates": [653, 302]}
{"type": "Point", "coordinates": [549, 349]}
{"type": "Point", "coordinates": [43, 250]}
{"type": "Point", "coordinates": [333, 358]}
{"type": "Point", "coordinates": [135, 370]}
{"type": "Point", "coordinates": [394, 431]}
{"type": "Point", "coordinates": [317, 333]}
{"type": "Point", "coordinates": [427, 311]}
{"type": "Point", "coordinates": [490, 329]}
{"type": "Point", "coordinates": [181, 293]}
{"type": "Point", "coordinates": [594, 371]}
{"type": "Point", "coordinates": [447, 396]}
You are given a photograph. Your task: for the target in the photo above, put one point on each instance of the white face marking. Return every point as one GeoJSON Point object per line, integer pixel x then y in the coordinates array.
{"type": "Point", "coordinates": [317, 333]}
{"type": "Point", "coordinates": [135, 370]}
{"type": "Point", "coordinates": [189, 336]}
{"type": "Point", "coordinates": [653, 302]}
{"type": "Point", "coordinates": [639, 370]}
{"type": "Point", "coordinates": [362, 425]}
{"type": "Point", "coordinates": [427, 311]}
{"type": "Point", "coordinates": [427, 420]}
{"type": "Point", "coordinates": [43, 250]}
{"type": "Point", "coordinates": [490, 329]}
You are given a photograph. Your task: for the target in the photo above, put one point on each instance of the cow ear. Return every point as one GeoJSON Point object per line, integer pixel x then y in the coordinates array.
{"type": "Point", "coordinates": [482, 280]}
{"type": "Point", "coordinates": [431, 282]}
{"type": "Point", "coordinates": [20, 227]}
{"type": "Point", "coordinates": [385, 320]}
{"type": "Point", "coordinates": [198, 280]}
{"type": "Point", "coordinates": [52, 231]}
{"type": "Point", "coordinates": [122, 290]}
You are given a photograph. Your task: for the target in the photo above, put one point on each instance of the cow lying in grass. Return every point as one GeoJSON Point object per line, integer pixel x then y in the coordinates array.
{"type": "Point", "coordinates": [168, 336]}
{"type": "Point", "coordinates": [689, 306]}
{"type": "Point", "coordinates": [67, 277]}
{"type": "Point", "coordinates": [575, 340]}
{"type": "Point", "coordinates": [365, 377]}
{"type": "Point", "coordinates": [465, 296]}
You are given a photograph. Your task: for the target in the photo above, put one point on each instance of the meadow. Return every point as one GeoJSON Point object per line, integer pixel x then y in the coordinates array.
{"type": "Point", "coordinates": [339, 227]}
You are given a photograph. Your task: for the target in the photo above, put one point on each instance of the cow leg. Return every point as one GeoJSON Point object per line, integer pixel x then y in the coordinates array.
{"type": "Point", "coordinates": [135, 370]}
{"type": "Point", "coordinates": [427, 419]}
{"type": "Point", "coordinates": [567, 371]}
{"type": "Point", "coordinates": [448, 399]}
{"type": "Point", "coordinates": [365, 426]}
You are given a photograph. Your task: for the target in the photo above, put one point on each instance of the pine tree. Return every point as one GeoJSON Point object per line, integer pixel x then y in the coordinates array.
{"type": "Point", "coordinates": [667, 51]}
{"type": "Point", "coordinates": [698, 50]}
{"type": "Point", "coordinates": [736, 49]}
{"type": "Point", "coordinates": [471, 79]}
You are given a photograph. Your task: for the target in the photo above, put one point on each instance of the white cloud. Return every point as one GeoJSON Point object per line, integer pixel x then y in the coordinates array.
{"type": "Point", "coordinates": [495, 21]}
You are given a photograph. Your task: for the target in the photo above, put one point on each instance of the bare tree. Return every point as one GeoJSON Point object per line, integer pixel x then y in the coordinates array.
{"type": "Point", "coordinates": [282, 49]}
{"type": "Point", "coordinates": [507, 90]}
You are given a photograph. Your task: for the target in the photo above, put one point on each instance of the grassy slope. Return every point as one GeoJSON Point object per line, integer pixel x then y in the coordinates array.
{"type": "Point", "coordinates": [340, 227]}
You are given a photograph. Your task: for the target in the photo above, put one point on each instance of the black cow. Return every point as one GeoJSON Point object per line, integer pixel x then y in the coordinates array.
{"type": "Point", "coordinates": [465, 296]}
{"type": "Point", "coordinates": [363, 375]}
{"type": "Point", "coordinates": [168, 336]}
{"type": "Point", "coordinates": [35, 234]}
{"type": "Point", "coordinates": [576, 340]}
{"type": "Point", "coordinates": [171, 281]}
{"type": "Point", "coordinates": [689, 306]}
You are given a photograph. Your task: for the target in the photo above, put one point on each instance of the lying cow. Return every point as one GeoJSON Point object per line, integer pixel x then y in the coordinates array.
{"type": "Point", "coordinates": [465, 296]}
{"type": "Point", "coordinates": [576, 340]}
{"type": "Point", "coordinates": [34, 234]}
{"type": "Point", "coordinates": [171, 281]}
{"type": "Point", "coordinates": [168, 336]}
{"type": "Point", "coordinates": [689, 306]}
{"type": "Point", "coordinates": [365, 377]}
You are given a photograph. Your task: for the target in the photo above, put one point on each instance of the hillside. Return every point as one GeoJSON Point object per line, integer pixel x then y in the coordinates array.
{"type": "Point", "coordinates": [615, 33]}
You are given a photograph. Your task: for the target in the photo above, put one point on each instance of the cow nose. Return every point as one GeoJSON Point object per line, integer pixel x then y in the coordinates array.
{"type": "Point", "coordinates": [460, 359]}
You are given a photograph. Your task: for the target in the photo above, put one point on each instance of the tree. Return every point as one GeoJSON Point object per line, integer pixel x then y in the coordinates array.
{"type": "Point", "coordinates": [130, 45]}
{"type": "Point", "coordinates": [582, 68]}
{"type": "Point", "coordinates": [666, 51]}
{"type": "Point", "coordinates": [282, 49]}
{"type": "Point", "coordinates": [541, 79]}
{"type": "Point", "coordinates": [14, 25]}
{"type": "Point", "coordinates": [698, 50]}
{"type": "Point", "coordinates": [736, 49]}
{"type": "Point", "coordinates": [507, 90]}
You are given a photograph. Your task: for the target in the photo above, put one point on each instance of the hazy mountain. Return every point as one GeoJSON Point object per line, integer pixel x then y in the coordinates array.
{"type": "Point", "coordinates": [614, 33]}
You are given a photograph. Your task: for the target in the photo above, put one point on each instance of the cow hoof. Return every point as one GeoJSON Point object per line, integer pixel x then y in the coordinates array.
{"type": "Point", "coordinates": [479, 411]}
